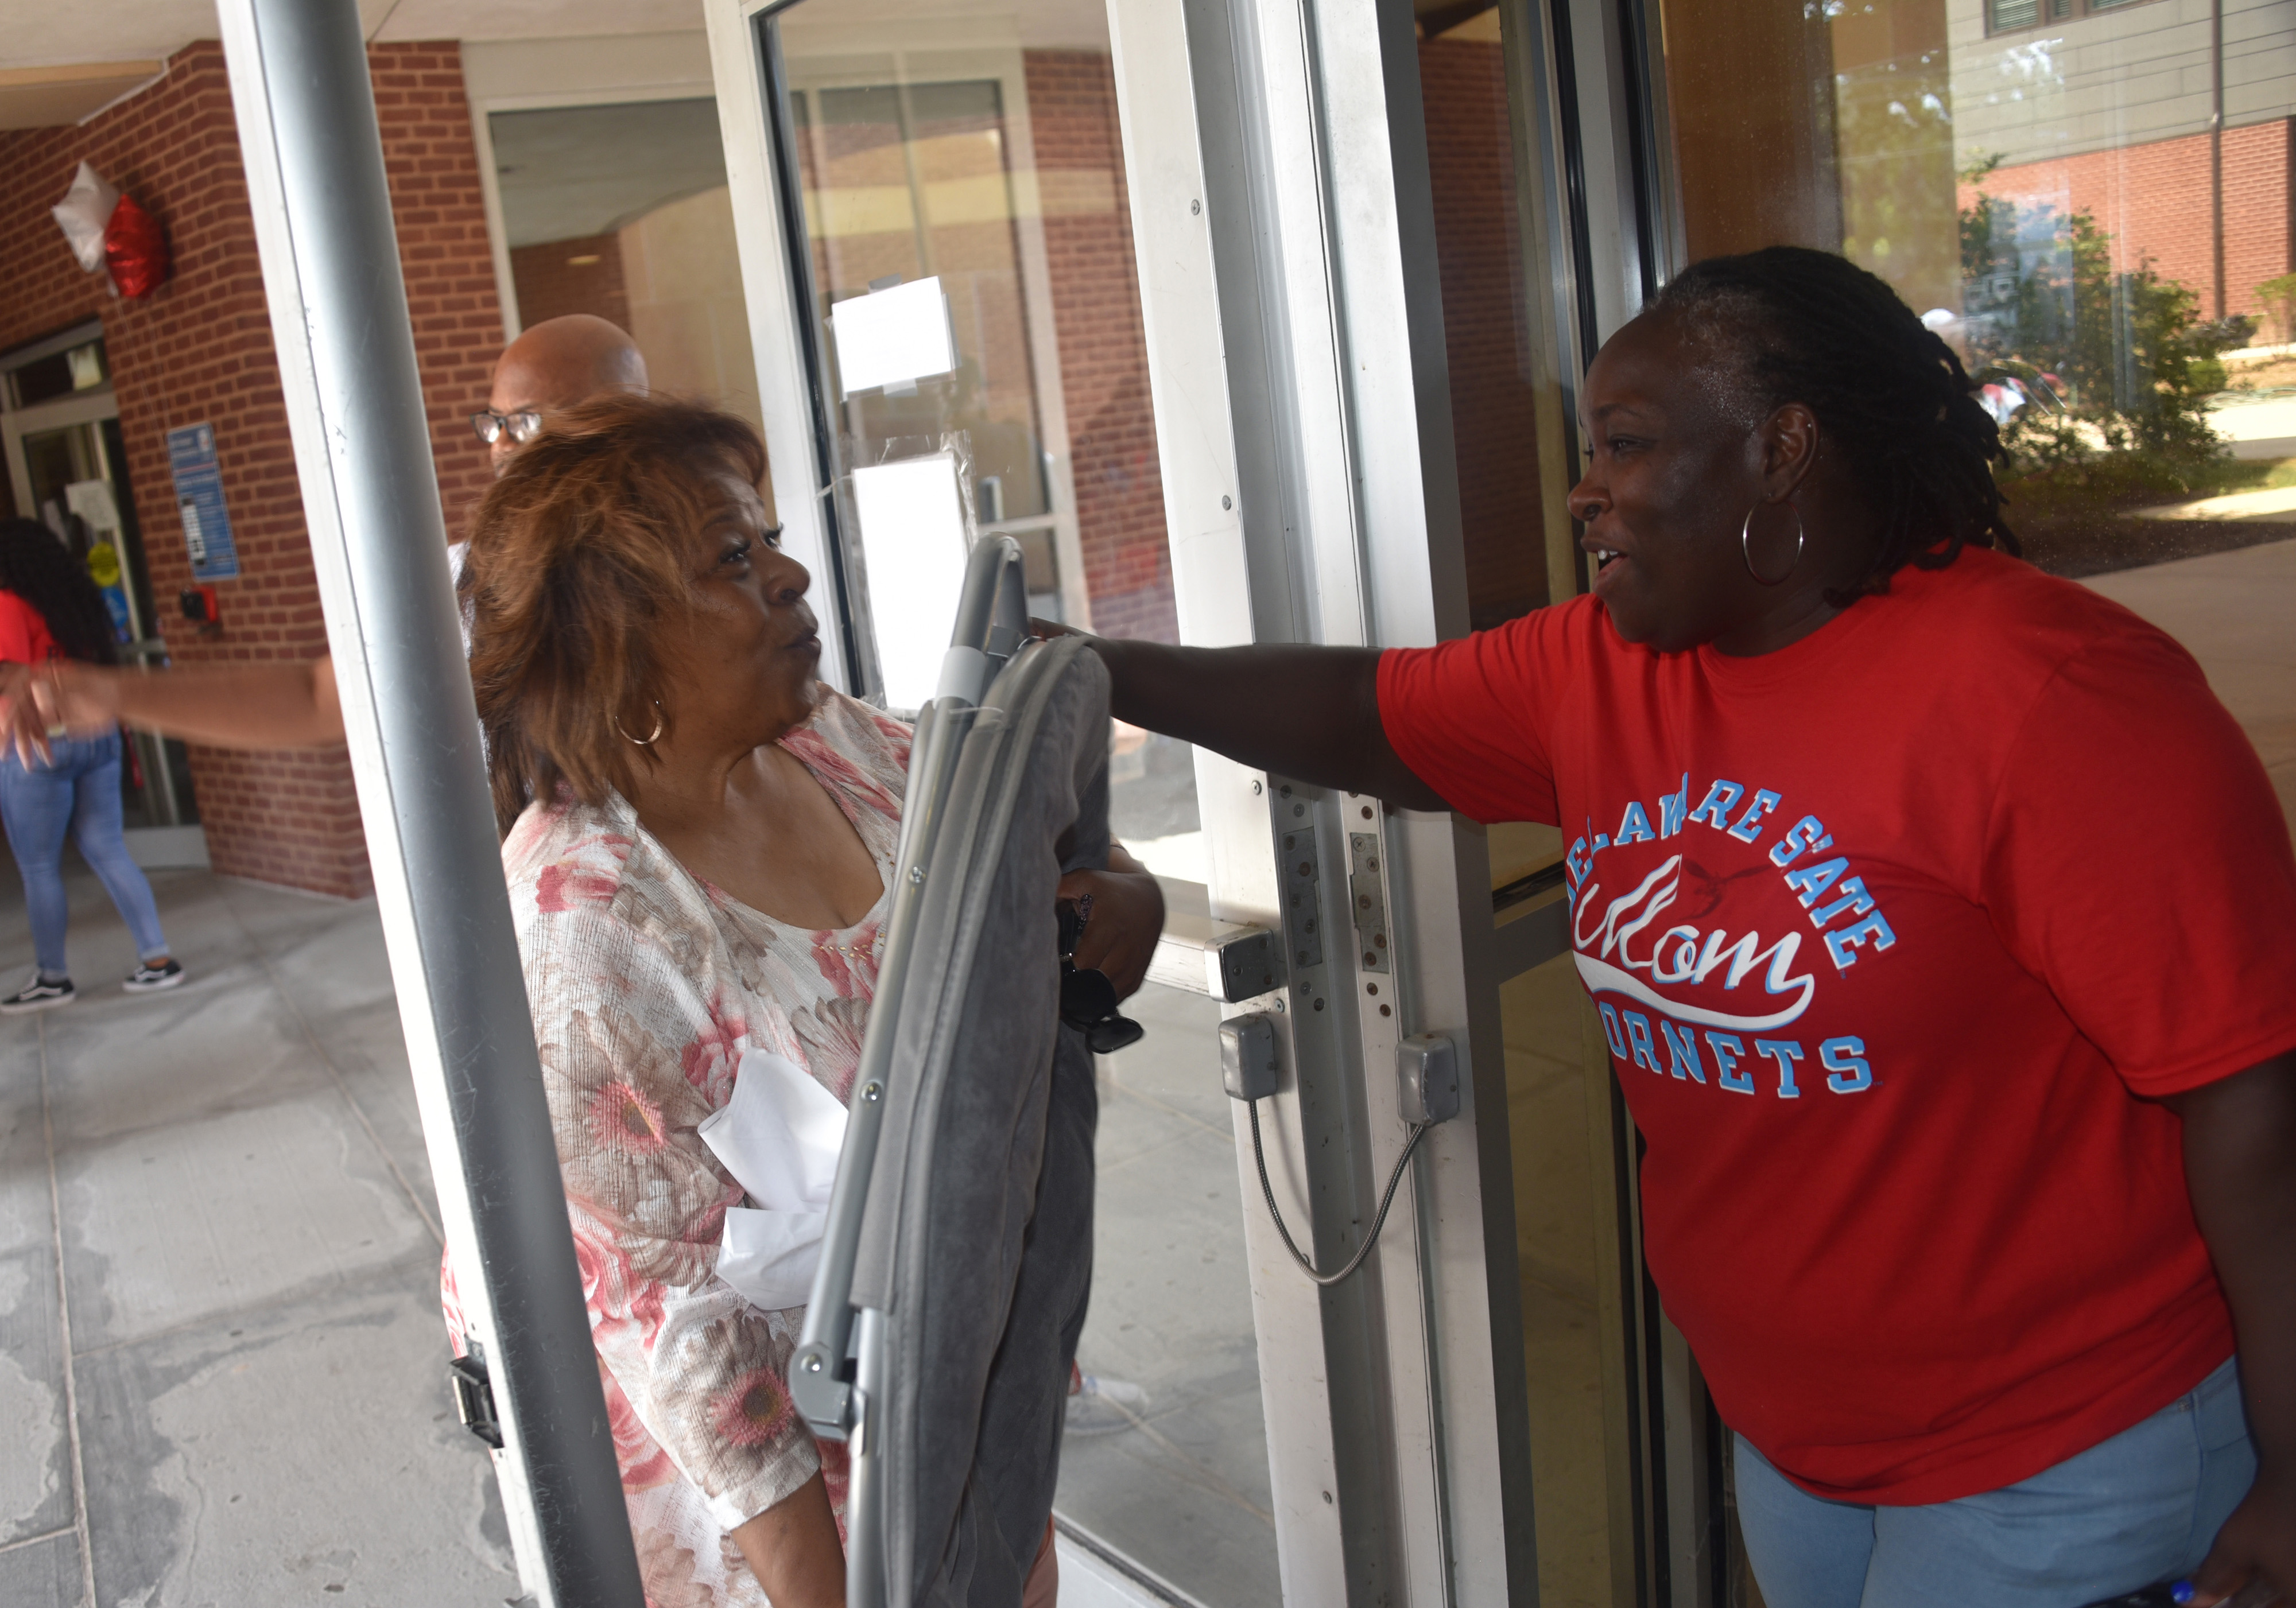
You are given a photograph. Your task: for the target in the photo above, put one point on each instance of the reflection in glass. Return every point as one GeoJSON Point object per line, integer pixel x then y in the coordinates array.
{"type": "Point", "coordinates": [2087, 202]}
{"type": "Point", "coordinates": [2076, 201]}
{"type": "Point", "coordinates": [622, 211]}
{"type": "Point", "coordinates": [909, 182]}
{"type": "Point", "coordinates": [972, 163]}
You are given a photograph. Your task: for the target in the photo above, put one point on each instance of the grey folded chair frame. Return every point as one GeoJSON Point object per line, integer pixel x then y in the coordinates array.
{"type": "Point", "coordinates": [957, 1255]}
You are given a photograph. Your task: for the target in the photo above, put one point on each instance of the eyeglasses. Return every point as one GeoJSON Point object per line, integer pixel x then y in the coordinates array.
{"type": "Point", "coordinates": [521, 427]}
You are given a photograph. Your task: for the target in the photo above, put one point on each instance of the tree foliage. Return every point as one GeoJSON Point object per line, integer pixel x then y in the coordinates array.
{"type": "Point", "coordinates": [2133, 361]}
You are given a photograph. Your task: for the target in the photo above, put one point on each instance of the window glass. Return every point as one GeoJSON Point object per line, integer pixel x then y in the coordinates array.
{"type": "Point", "coordinates": [966, 269]}
{"type": "Point", "coordinates": [1497, 261]}
{"type": "Point", "coordinates": [2063, 207]}
{"type": "Point", "coordinates": [977, 173]}
{"type": "Point", "coordinates": [1491, 247]}
{"type": "Point", "coordinates": [622, 211]}
{"type": "Point", "coordinates": [2086, 200]}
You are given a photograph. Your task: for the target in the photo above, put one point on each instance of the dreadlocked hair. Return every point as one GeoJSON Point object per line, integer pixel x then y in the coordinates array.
{"type": "Point", "coordinates": [41, 571]}
{"type": "Point", "coordinates": [1798, 325]}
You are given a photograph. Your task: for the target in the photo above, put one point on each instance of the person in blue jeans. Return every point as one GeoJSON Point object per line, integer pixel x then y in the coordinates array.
{"type": "Point", "coordinates": [50, 610]}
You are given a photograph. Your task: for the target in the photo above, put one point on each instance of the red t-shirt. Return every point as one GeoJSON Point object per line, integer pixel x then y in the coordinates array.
{"type": "Point", "coordinates": [24, 637]}
{"type": "Point", "coordinates": [1887, 930]}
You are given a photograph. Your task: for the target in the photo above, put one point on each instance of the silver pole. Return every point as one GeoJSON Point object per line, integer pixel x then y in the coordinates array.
{"type": "Point", "coordinates": [315, 183]}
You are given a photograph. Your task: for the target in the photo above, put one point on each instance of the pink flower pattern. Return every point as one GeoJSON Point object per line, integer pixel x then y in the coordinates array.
{"type": "Point", "coordinates": [646, 988]}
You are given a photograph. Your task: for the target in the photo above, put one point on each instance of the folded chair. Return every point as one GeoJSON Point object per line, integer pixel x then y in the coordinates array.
{"type": "Point", "coordinates": [957, 1255]}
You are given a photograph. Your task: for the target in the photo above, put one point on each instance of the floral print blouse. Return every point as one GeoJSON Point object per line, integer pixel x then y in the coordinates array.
{"type": "Point", "coordinates": [647, 985]}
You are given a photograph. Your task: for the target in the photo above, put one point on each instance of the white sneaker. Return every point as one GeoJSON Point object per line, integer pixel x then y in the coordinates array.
{"type": "Point", "coordinates": [1105, 1406]}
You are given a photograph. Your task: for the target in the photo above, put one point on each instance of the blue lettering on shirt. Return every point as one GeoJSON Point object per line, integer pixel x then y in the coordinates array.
{"type": "Point", "coordinates": [1633, 826]}
{"type": "Point", "coordinates": [1748, 826]}
{"type": "Point", "coordinates": [1729, 1050]}
{"type": "Point", "coordinates": [1681, 1049]}
{"type": "Point", "coordinates": [1786, 1051]}
{"type": "Point", "coordinates": [1721, 799]}
{"type": "Point", "coordinates": [1809, 832]}
{"type": "Point", "coordinates": [1845, 1058]}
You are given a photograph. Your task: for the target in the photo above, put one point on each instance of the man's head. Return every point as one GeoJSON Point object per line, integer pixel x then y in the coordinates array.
{"type": "Point", "coordinates": [555, 364]}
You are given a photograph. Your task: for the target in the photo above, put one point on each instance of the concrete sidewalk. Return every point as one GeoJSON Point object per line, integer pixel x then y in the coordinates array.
{"type": "Point", "coordinates": [234, 1394]}
{"type": "Point", "coordinates": [2235, 612]}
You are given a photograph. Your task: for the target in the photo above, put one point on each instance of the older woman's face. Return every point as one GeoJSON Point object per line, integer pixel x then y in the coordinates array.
{"type": "Point", "coordinates": [741, 667]}
{"type": "Point", "coordinates": [1670, 477]}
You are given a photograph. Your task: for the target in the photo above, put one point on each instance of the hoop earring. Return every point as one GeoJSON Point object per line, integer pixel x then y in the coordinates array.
{"type": "Point", "coordinates": [647, 740]}
{"type": "Point", "coordinates": [1745, 548]}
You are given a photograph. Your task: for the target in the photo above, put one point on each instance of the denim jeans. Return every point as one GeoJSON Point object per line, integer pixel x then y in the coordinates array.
{"type": "Point", "coordinates": [78, 790]}
{"type": "Point", "coordinates": [2143, 1507]}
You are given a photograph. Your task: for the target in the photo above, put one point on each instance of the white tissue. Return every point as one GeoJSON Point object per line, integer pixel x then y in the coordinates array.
{"type": "Point", "coordinates": [770, 1256]}
{"type": "Point", "coordinates": [780, 1137]}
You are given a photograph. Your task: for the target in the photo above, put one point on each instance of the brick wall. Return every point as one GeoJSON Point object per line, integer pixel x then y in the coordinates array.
{"type": "Point", "coordinates": [1104, 355]}
{"type": "Point", "coordinates": [552, 280]}
{"type": "Point", "coordinates": [439, 203]}
{"type": "Point", "coordinates": [198, 349]}
{"type": "Point", "coordinates": [2153, 199]}
{"type": "Point", "coordinates": [1494, 411]}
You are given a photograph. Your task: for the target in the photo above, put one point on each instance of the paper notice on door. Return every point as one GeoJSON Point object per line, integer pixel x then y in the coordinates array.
{"type": "Point", "coordinates": [913, 545]}
{"type": "Point", "coordinates": [894, 337]}
{"type": "Point", "coordinates": [91, 501]}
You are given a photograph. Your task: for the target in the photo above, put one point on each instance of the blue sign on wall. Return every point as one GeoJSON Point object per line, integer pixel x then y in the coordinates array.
{"type": "Point", "coordinates": [199, 499]}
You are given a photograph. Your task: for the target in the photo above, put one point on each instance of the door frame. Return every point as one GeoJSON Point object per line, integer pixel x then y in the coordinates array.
{"type": "Point", "coordinates": [1277, 162]}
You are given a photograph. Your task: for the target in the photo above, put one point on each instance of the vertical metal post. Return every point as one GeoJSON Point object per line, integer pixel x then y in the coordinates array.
{"type": "Point", "coordinates": [2216, 151]}
{"type": "Point", "coordinates": [321, 206]}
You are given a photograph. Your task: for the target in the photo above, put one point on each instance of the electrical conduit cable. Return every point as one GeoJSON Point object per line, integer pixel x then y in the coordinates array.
{"type": "Point", "coordinates": [1267, 1194]}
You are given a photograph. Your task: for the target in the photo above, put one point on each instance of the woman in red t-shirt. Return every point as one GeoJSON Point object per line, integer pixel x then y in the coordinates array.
{"type": "Point", "coordinates": [50, 610]}
{"type": "Point", "coordinates": [1943, 927]}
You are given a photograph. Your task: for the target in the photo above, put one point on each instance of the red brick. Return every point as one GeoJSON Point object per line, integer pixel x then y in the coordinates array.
{"type": "Point", "coordinates": [199, 349]}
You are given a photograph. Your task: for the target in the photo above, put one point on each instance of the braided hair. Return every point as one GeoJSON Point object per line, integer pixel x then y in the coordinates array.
{"type": "Point", "coordinates": [38, 568]}
{"type": "Point", "coordinates": [1799, 325]}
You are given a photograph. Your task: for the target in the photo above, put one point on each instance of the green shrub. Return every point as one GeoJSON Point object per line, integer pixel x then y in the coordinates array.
{"type": "Point", "coordinates": [2136, 362]}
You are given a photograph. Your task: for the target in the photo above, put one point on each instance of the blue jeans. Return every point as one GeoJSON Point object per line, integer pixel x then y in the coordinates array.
{"type": "Point", "coordinates": [77, 791]}
{"type": "Point", "coordinates": [2143, 1507]}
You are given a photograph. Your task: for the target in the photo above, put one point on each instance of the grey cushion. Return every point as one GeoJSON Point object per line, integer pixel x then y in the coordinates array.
{"type": "Point", "coordinates": [976, 1246]}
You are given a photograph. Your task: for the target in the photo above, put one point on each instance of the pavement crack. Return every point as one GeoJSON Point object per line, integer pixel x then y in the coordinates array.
{"type": "Point", "coordinates": [63, 1330]}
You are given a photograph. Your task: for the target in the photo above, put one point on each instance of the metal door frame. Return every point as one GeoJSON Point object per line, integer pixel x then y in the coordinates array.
{"type": "Point", "coordinates": [1277, 169]}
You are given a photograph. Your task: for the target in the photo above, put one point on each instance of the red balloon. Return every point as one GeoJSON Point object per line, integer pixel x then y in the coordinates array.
{"type": "Point", "coordinates": [134, 250]}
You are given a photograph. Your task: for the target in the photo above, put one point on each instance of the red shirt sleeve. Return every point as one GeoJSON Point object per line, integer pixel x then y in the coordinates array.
{"type": "Point", "coordinates": [2138, 863]}
{"type": "Point", "coordinates": [23, 635]}
{"type": "Point", "coordinates": [1473, 717]}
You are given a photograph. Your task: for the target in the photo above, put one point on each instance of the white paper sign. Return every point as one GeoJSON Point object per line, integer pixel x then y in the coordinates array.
{"type": "Point", "coordinates": [912, 518]}
{"type": "Point", "coordinates": [893, 337]}
{"type": "Point", "coordinates": [780, 1137]}
{"type": "Point", "coordinates": [91, 501]}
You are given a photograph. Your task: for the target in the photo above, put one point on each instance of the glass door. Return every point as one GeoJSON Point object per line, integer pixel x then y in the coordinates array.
{"type": "Point", "coordinates": [68, 466]}
{"type": "Point", "coordinates": [2085, 200]}
{"type": "Point", "coordinates": [957, 239]}
{"type": "Point", "coordinates": [1504, 115]}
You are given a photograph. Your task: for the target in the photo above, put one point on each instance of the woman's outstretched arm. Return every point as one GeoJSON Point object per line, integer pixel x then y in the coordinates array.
{"type": "Point", "coordinates": [1307, 713]}
{"type": "Point", "coordinates": [280, 704]}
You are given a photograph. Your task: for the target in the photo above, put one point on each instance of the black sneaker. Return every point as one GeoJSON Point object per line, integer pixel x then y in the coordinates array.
{"type": "Point", "coordinates": [39, 994]}
{"type": "Point", "coordinates": [143, 980]}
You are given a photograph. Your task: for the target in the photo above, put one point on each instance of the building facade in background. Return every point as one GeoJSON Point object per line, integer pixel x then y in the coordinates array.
{"type": "Point", "coordinates": [529, 180]}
